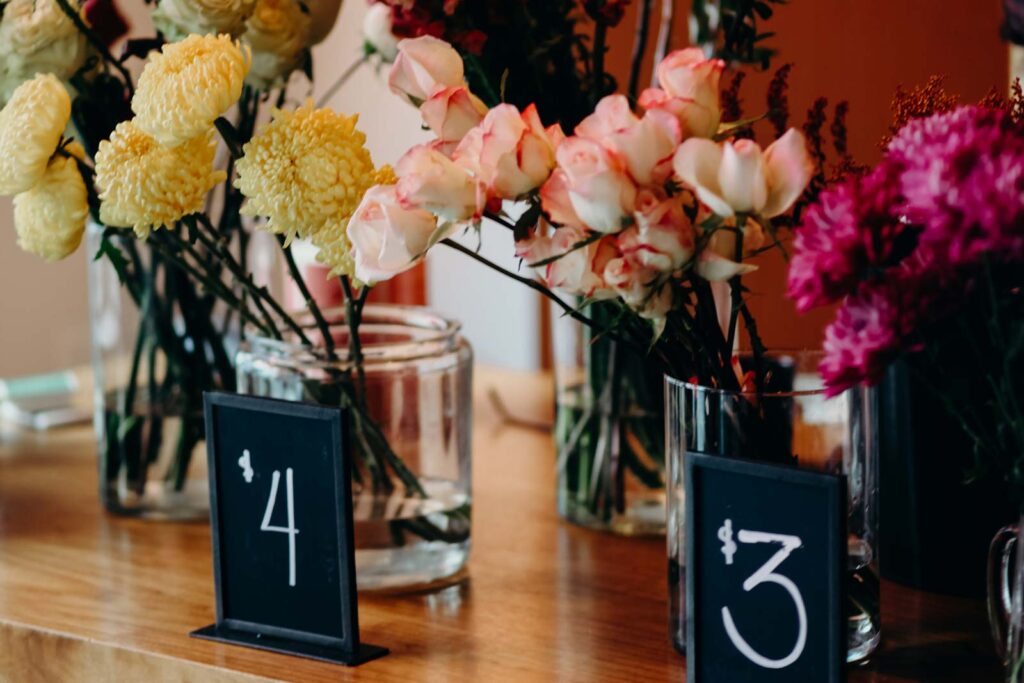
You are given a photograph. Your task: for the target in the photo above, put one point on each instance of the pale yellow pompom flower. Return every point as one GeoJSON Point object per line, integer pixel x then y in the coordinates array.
{"type": "Point", "coordinates": [187, 85]}
{"type": "Point", "coordinates": [50, 218]}
{"type": "Point", "coordinates": [335, 248]}
{"type": "Point", "coordinates": [278, 31]}
{"type": "Point", "coordinates": [144, 185]}
{"type": "Point", "coordinates": [305, 170]}
{"type": "Point", "coordinates": [176, 19]}
{"type": "Point", "coordinates": [31, 126]}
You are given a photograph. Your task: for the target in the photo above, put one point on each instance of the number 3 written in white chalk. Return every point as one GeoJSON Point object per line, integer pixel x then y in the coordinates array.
{"type": "Point", "coordinates": [290, 529]}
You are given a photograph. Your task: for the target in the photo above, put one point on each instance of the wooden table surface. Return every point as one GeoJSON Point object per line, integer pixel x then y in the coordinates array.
{"type": "Point", "coordinates": [85, 596]}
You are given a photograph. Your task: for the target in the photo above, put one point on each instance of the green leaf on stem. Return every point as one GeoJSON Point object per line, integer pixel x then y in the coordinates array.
{"type": "Point", "coordinates": [116, 258]}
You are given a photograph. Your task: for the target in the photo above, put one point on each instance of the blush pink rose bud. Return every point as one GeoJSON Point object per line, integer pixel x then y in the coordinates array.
{"type": "Point", "coordinates": [554, 199]}
{"type": "Point", "coordinates": [431, 181]}
{"type": "Point", "coordinates": [387, 238]}
{"type": "Point", "coordinates": [643, 146]}
{"type": "Point", "coordinates": [689, 90]}
{"type": "Point", "coordinates": [576, 272]}
{"type": "Point", "coordinates": [510, 152]}
{"type": "Point", "coordinates": [600, 190]}
{"type": "Point", "coordinates": [738, 177]}
{"type": "Point", "coordinates": [451, 113]}
{"type": "Point", "coordinates": [423, 66]}
{"type": "Point", "coordinates": [663, 238]}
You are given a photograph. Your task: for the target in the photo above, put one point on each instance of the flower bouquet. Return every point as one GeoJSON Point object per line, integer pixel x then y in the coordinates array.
{"type": "Point", "coordinates": [924, 253]}
{"type": "Point", "coordinates": [640, 225]}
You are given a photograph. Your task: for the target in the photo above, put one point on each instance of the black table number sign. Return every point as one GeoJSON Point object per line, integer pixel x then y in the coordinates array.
{"type": "Point", "coordinates": [766, 563]}
{"type": "Point", "coordinates": [281, 519]}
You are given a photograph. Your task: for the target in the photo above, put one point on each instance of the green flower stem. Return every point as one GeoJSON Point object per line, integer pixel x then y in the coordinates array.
{"type": "Point", "coordinates": [536, 286]}
{"type": "Point", "coordinates": [259, 294]}
{"type": "Point", "coordinates": [97, 43]}
{"type": "Point", "coordinates": [354, 317]}
{"type": "Point", "coordinates": [311, 304]}
{"type": "Point", "coordinates": [212, 285]}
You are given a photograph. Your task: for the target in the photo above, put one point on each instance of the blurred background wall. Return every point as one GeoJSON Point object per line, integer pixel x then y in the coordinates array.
{"type": "Point", "coordinates": [858, 50]}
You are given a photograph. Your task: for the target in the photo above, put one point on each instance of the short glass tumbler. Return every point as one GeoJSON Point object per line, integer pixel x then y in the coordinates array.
{"type": "Point", "coordinates": [410, 444]}
{"type": "Point", "coordinates": [792, 422]}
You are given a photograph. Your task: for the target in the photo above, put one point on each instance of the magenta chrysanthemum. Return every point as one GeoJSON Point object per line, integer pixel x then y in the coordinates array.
{"type": "Point", "coordinates": [963, 181]}
{"type": "Point", "coordinates": [904, 243]}
{"type": "Point", "coordinates": [853, 230]}
{"type": "Point", "coordinates": [861, 341]}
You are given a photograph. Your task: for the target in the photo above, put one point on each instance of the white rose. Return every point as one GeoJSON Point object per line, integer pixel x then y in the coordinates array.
{"type": "Point", "coordinates": [277, 32]}
{"type": "Point", "coordinates": [37, 37]}
{"type": "Point", "coordinates": [377, 31]}
{"type": "Point", "coordinates": [176, 19]}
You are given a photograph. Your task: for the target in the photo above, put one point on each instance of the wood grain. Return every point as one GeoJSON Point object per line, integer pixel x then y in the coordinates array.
{"type": "Point", "coordinates": [89, 597]}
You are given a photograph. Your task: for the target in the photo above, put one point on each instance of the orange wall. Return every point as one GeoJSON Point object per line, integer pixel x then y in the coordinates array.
{"type": "Point", "coordinates": [858, 50]}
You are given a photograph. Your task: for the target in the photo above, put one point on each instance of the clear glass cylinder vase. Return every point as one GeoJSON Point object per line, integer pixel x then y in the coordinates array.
{"type": "Point", "coordinates": [792, 422]}
{"type": "Point", "coordinates": [1006, 598]}
{"type": "Point", "coordinates": [158, 342]}
{"type": "Point", "coordinates": [609, 431]}
{"type": "Point", "coordinates": [410, 415]}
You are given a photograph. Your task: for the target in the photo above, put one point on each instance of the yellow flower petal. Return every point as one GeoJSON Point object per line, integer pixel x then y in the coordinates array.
{"type": "Point", "coordinates": [306, 171]}
{"type": "Point", "coordinates": [145, 186]}
{"type": "Point", "coordinates": [31, 126]}
{"type": "Point", "coordinates": [50, 218]}
{"type": "Point", "coordinates": [187, 85]}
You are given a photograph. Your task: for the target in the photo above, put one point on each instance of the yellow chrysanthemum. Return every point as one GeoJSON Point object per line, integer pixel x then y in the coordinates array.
{"type": "Point", "coordinates": [333, 242]}
{"type": "Point", "coordinates": [50, 218]}
{"type": "Point", "coordinates": [176, 19]}
{"type": "Point", "coordinates": [187, 85]}
{"type": "Point", "coordinates": [145, 186]}
{"type": "Point", "coordinates": [37, 37]}
{"type": "Point", "coordinates": [278, 31]}
{"type": "Point", "coordinates": [306, 170]}
{"type": "Point", "coordinates": [31, 126]}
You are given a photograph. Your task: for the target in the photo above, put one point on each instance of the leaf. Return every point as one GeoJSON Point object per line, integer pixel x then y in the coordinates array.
{"type": "Point", "coordinates": [116, 258]}
{"type": "Point", "coordinates": [521, 230]}
{"type": "Point", "coordinates": [125, 428]}
{"type": "Point", "coordinates": [726, 130]}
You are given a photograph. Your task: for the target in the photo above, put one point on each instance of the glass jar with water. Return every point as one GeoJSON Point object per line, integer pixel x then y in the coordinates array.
{"type": "Point", "coordinates": [792, 421]}
{"type": "Point", "coordinates": [410, 435]}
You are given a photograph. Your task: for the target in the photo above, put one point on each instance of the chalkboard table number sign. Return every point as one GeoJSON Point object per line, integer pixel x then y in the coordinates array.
{"type": "Point", "coordinates": [281, 518]}
{"type": "Point", "coordinates": [766, 561]}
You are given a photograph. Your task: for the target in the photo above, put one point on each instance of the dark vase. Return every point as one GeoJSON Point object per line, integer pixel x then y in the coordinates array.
{"type": "Point", "coordinates": [937, 526]}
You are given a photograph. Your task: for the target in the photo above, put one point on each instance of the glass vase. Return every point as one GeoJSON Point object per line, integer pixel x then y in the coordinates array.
{"type": "Point", "coordinates": [410, 415]}
{"type": "Point", "coordinates": [609, 432]}
{"type": "Point", "coordinates": [792, 422]}
{"type": "Point", "coordinates": [158, 343]}
{"type": "Point", "coordinates": [1005, 598]}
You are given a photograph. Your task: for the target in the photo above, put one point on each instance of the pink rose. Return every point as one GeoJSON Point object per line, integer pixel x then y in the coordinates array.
{"type": "Point", "coordinates": [663, 238]}
{"type": "Point", "coordinates": [451, 113]}
{"type": "Point", "coordinates": [554, 199]}
{"type": "Point", "coordinates": [577, 271]}
{"type": "Point", "coordinates": [689, 75]}
{"type": "Point", "coordinates": [640, 289]}
{"type": "Point", "coordinates": [695, 120]}
{"type": "Point", "coordinates": [387, 239]}
{"type": "Point", "coordinates": [424, 65]}
{"type": "Point", "coordinates": [510, 153]}
{"type": "Point", "coordinates": [718, 262]}
{"type": "Point", "coordinates": [429, 180]}
{"type": "Point", "coordinates": [643, 146]}
{"type": "Point", "coordinates": [738, 177]}
{"type": "Point", "coordinates": [600, 191]}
